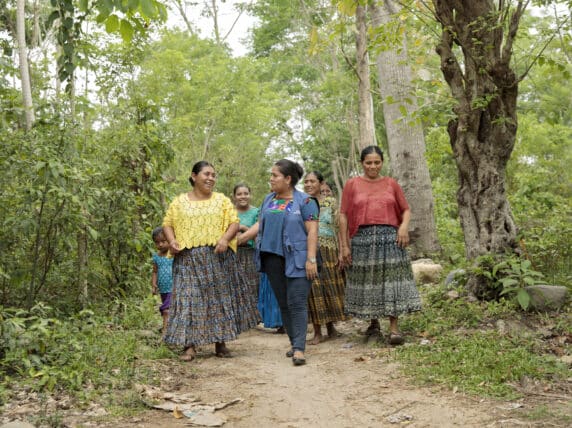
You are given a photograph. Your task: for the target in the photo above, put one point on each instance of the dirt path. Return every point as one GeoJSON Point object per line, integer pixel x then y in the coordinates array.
{"type": "Point", "coordinates": [346, 383]}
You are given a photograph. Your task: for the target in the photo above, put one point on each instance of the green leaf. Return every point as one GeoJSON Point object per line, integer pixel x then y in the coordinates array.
{"type": "Point", "coordinates": [523, 298]}
{"type": "Point", "coordinates": [147, 8]}
{"type": "Point", "coordinates": [83, 5]}
{"type": "Point", "coordinates": [126, 30]}
{"type": "Point", "coordinates": [507, 282]}
{"type": "Point", "coordinates": [112, 24]}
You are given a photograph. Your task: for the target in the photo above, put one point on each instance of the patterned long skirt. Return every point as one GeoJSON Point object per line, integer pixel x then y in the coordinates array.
{"type": "Point", "coordinates": [326, 300]}
{"type": "Point", "coordinates": [211, 301]}
{"type": "Point", "coordinates": [268, 305]}
{"type": "Point", "coordinates": [380, 280]}
{"type": "Point", "coordinates": [246, 261]}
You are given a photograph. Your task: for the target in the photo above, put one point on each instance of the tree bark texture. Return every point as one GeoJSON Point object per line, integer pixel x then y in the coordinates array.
{"type": "Point", "coordinates": [365, 103]}
{"type": "Point", "coordinates": [23, 57]}
{"type": "Point", "coordinates": [475, 51]}
{"type": "Point", "coordinates": [405, 136]}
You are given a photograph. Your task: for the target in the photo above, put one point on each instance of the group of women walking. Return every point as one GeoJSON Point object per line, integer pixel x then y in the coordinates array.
{"type": "Point", "coordinates": [321, 265]}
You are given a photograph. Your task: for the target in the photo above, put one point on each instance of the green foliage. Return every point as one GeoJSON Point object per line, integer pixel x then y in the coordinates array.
{"type": "Point", "coordinates": [463, 350]}
{"type": "Point", "coordinates": [481, 363]}
{"type": "Point", "coordinates": [49, 353]}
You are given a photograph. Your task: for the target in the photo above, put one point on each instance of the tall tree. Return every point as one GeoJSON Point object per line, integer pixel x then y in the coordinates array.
{"type": "Point", "coordinates": [365, 103]}
{"type": "Point", "coordinates": [476, 48]}
{"type": "Point", "coordinates": [24, 70]}
{"type": "Point", "coordinates": [404, 131]}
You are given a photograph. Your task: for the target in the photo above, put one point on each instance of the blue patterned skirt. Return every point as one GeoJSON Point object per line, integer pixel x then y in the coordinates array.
{"type": "Point", "coordinates": [268, 305]}
{"type": "Point", "coordinates": [380, 281]}
{"type": "Point", "coordinates": [211, 301]}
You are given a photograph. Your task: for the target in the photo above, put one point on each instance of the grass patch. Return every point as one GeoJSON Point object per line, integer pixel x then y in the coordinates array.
{"type": "Point", "coordinates": [467, 352]}
{"type": "Point", "coordinates": [482, 363]}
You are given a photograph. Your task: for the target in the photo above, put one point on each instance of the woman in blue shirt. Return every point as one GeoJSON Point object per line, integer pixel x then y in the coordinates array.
{"type": "Point", "coordinates": [287, 249]}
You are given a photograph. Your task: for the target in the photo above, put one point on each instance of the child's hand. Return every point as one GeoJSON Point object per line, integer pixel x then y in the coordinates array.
{"type": "Point", "coordinates": [155, 291]}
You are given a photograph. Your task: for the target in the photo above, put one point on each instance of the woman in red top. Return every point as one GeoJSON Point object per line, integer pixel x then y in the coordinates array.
{"type": "Point", "coordinates": [374, 221]}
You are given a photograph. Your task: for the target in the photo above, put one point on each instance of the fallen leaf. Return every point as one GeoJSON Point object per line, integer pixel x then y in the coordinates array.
{"type": "Point", "coordinates": [177, 413]}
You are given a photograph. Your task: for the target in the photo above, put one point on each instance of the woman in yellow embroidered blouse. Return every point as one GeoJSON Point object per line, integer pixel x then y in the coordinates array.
{"type": "Point", "coordinates": [211, 301]}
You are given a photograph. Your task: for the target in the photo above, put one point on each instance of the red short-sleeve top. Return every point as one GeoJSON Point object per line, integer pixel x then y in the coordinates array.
{"type": "Point", "coordinates": [366, 202]}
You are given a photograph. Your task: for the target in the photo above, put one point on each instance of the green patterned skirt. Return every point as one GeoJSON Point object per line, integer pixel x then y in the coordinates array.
{"type": "Point", "coordinates": [380, 281]}
{"type": "Point", "coordinates": [326, 299]}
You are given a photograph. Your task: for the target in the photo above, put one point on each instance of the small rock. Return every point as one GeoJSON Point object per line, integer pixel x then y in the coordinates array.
{"type": "Point", "coordinates": [453, 278]}
{"type": "Point", "coordinates": [566, 359]}
{"type": "Point", "coordinates": [426, 272]}
{"type": "Point", "coordinates": [547, 297]}
{"type": "Point", "coordinates": [501, 327]}
{"type": "Point", "coordinates": [452, 295]}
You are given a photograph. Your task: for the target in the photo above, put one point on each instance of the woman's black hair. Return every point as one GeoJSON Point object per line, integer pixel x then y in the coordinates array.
{"type": "Point", "coordinates": [290, 168]}
{"type": "Point", "coordinates": [318, 175]}
{"type": "Point", "coordinates": [371, 150]}
{"type": "Point", "coordinates": [238, 186]}
{"type": "Point", "coordinates": [198, 167]}
{"type": "Point", "coordinates": [156, 233]}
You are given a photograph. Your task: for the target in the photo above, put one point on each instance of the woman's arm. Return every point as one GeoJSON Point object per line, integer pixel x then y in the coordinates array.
{"type": "Point", "coordinates": [312, 245]}
{"type": "Point", "coordinates": [345, 254]}
{"type": "Point", "coordinates": [403, 231]}
{"type": "Point", "coordinates": [170, 235]}
{"type": "Point", "coordinates": [249, 234]}
{"type": "Point", "coordinates": [222, 243]}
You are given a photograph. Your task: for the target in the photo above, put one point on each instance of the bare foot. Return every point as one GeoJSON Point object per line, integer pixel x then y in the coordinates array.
{"type": "Point", "coordinates": [189, 354]}
{"type": "Point", "coordinates": [316, 339]}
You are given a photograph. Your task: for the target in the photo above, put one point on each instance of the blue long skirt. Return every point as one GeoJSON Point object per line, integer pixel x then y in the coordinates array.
{"type": "Point", "coordinates": [268, 305]}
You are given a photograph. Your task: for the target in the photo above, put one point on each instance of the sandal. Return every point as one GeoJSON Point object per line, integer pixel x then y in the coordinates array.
{"type": "Point", "coordinates": [189, 354]}
{"type": "Point", "coordinates": [290, 353]}
{"type": "Point", "coordinates": [221, 351]}
{"type": "Point", "coordinates": [396, 339]}
{"type": "Point", "coordinates": [298, 361]}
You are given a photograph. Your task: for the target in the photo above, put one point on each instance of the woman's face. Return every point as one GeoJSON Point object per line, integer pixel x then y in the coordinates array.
{"type": "Point", "coordinates": [372, 165]}
{"type": "Point", "coordinates": [325, 190]}
{"type": "Point", "coordinates": [242, 197]}
{"type": "Point", "coordinates": [205, 180]}
{"type": "Point", "coordinates": [312, 185]}
{"type": "Point", "coordinates": [278, 182]}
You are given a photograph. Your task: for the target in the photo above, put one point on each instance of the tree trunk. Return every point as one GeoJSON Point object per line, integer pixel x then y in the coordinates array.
{"type": "Point", "coordinates": [483, 132]}
{"type": "Point", "coordinates": [365, 105]}
{"type": "Point", "coordinates": [405, 136]}
{"type": "Point", "coordinates": [24, 71]}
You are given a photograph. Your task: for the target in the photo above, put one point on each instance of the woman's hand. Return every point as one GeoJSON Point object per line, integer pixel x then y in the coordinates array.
{"type": "Point", "coordinates": [311, 270]}
{"type": "Point", "coordinates": [221, 246]}
{"type": "Point", "coordinates": [403, 236]}
{"type": "Point", "coordinates": [174, 247]}
{"type": "Point", "coordinates": [344, 257]}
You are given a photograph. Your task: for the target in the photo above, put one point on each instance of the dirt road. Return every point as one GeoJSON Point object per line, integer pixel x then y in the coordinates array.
{"type": "Point", "coordinates": [346, 383]}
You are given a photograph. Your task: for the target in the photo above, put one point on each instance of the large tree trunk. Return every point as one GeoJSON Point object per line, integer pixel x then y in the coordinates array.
{"type": "Point", "coordinates": [24, 71]}
{"type": "Point", "coordinates": [405, 136]}
{"type": "Point", "coordinates": [483, 132]}
{"type": "Point", "coordinates": [365, 104]}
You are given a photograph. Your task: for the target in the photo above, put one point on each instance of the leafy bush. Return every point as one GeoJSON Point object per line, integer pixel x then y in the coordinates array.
{"type": "Point", "coordinates": [80, 354]}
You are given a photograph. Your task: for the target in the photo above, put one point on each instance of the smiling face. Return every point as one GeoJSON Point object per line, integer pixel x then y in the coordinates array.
{"type": "Point", "coordinates": [278, 182]}
{"type": "Point", "coordinates": [205, 179]}
{"type": "Point", "coordinates": [371, 165]}
{"type": "Point", "coordinates": [242, 197]}
{"type": "Point", "coordinates": [312, 185]}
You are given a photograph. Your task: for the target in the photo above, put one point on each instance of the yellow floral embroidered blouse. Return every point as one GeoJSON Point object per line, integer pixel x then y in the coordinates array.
{"type": "Point", "coordinates": [199, 223]}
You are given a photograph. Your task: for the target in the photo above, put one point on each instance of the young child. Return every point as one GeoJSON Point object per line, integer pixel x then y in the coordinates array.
{"type": "Point", "coordinates": [162, 279]}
